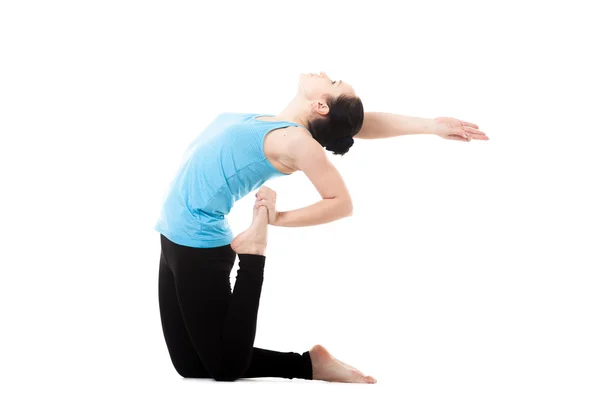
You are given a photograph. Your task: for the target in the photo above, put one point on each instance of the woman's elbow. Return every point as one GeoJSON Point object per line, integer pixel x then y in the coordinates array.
{"type": "Point", "coordinates": [348, 209]}
{"type": "Point", "coordinates": [343, 208]}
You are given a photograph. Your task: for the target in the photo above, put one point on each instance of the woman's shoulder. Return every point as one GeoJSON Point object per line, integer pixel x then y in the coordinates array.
{"type": "Point", "coordinates": [300, 139]}
{"type": "Point", "coordinates": [297, 134]}
{"type": "Point", "coordinates": [299, 131]}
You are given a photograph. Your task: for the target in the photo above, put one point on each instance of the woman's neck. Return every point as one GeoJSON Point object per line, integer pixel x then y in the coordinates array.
{"type": "Point", "coordinates": [293, 113]}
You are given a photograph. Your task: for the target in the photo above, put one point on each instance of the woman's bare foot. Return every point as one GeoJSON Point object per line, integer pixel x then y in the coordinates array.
{"type": "Point", "coordinates": [254, 239]}
{"type": "Point", "coordinates": [328, 368]}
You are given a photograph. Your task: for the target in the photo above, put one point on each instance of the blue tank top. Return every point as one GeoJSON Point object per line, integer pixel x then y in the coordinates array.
{"type": "Point", "coordinates": [223, 163]}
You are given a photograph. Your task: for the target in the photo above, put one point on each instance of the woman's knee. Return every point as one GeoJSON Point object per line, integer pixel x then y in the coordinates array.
{"type": "Point", "coordinates": [187, 372]}
{"type": "Point", "coordinates": [229, 372]}
{"type": "Point", "coordinates": [226, 375]}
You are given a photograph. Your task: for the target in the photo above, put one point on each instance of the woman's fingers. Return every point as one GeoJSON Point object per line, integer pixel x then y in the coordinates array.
{"type": "Point", "coordinates": [265, 191]}
{"type": "Point", "coordinates": [457, 137]}
{"type": "Point", "coordinates": [265, 196]}
{"type": "Point", "coordinates": [269, 199]}
{"type": "Point", "coordinates": [259, 203]}
{"type": "Point", "coordinates": [270, 207]}
{"type": "Point", "coordinates": [474, 132]}
{"type": "Point", "coordinates": [265, 202]}
{"type": "Point", "coordinates": [465, 123]}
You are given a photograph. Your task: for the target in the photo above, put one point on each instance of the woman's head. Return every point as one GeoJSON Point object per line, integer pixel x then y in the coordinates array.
{"type": "Point", "coordinates": [335, 112]}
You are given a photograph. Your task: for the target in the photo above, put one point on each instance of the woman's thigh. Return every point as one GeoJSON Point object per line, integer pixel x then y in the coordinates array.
{"type": "Point", "coordinates": [203, 289]}
{"type": "Point", "coordinates": [183, 355]}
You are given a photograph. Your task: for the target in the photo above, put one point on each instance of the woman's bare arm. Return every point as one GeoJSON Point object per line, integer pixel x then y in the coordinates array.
{"type": "Point", "coordinates": [307, 155]}
{"type": "Point", "coordinates": [381, 125]}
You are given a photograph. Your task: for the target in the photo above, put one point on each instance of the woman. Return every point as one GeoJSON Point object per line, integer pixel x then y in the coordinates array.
{"type": "Point", "coordinates": [209, 330]}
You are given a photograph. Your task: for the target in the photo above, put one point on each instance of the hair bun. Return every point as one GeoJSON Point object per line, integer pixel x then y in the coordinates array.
{"type": "Point", "coordinates": [340, 145]}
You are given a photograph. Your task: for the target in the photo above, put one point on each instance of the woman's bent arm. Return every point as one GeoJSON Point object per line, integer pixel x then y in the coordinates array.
{"type": "Point", "coordinates": [306, 155]}
{"type": "Point", "coordinates": [321, 212]}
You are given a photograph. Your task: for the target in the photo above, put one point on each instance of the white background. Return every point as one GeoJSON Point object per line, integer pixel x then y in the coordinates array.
{"type": "Point", "coordinates": [468, 270]}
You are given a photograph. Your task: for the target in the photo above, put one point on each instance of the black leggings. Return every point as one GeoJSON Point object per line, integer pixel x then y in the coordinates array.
{"type": "Point", "coordinates": [209, 330]}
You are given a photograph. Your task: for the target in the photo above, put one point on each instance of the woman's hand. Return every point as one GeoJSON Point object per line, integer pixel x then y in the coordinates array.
{"type": "Point", "coordinates": [455, 129]}
{"type": "Point", "coordinates": [266, 196]}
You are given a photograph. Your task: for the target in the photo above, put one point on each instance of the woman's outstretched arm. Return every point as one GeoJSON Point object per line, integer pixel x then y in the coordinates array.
{"type": "Point", "coordinates": [381, 125]}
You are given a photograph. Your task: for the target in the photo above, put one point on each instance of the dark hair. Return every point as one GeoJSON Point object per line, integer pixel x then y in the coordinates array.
{"type": "Point", "coordinates": [335, 130]}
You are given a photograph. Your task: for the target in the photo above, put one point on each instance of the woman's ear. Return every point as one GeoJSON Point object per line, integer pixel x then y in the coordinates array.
{"type": "Point", "coordinates": [320, 108]}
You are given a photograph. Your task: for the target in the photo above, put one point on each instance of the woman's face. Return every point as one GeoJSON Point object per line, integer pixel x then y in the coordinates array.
{"type": "Point", "coordinates": [317, 86]}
